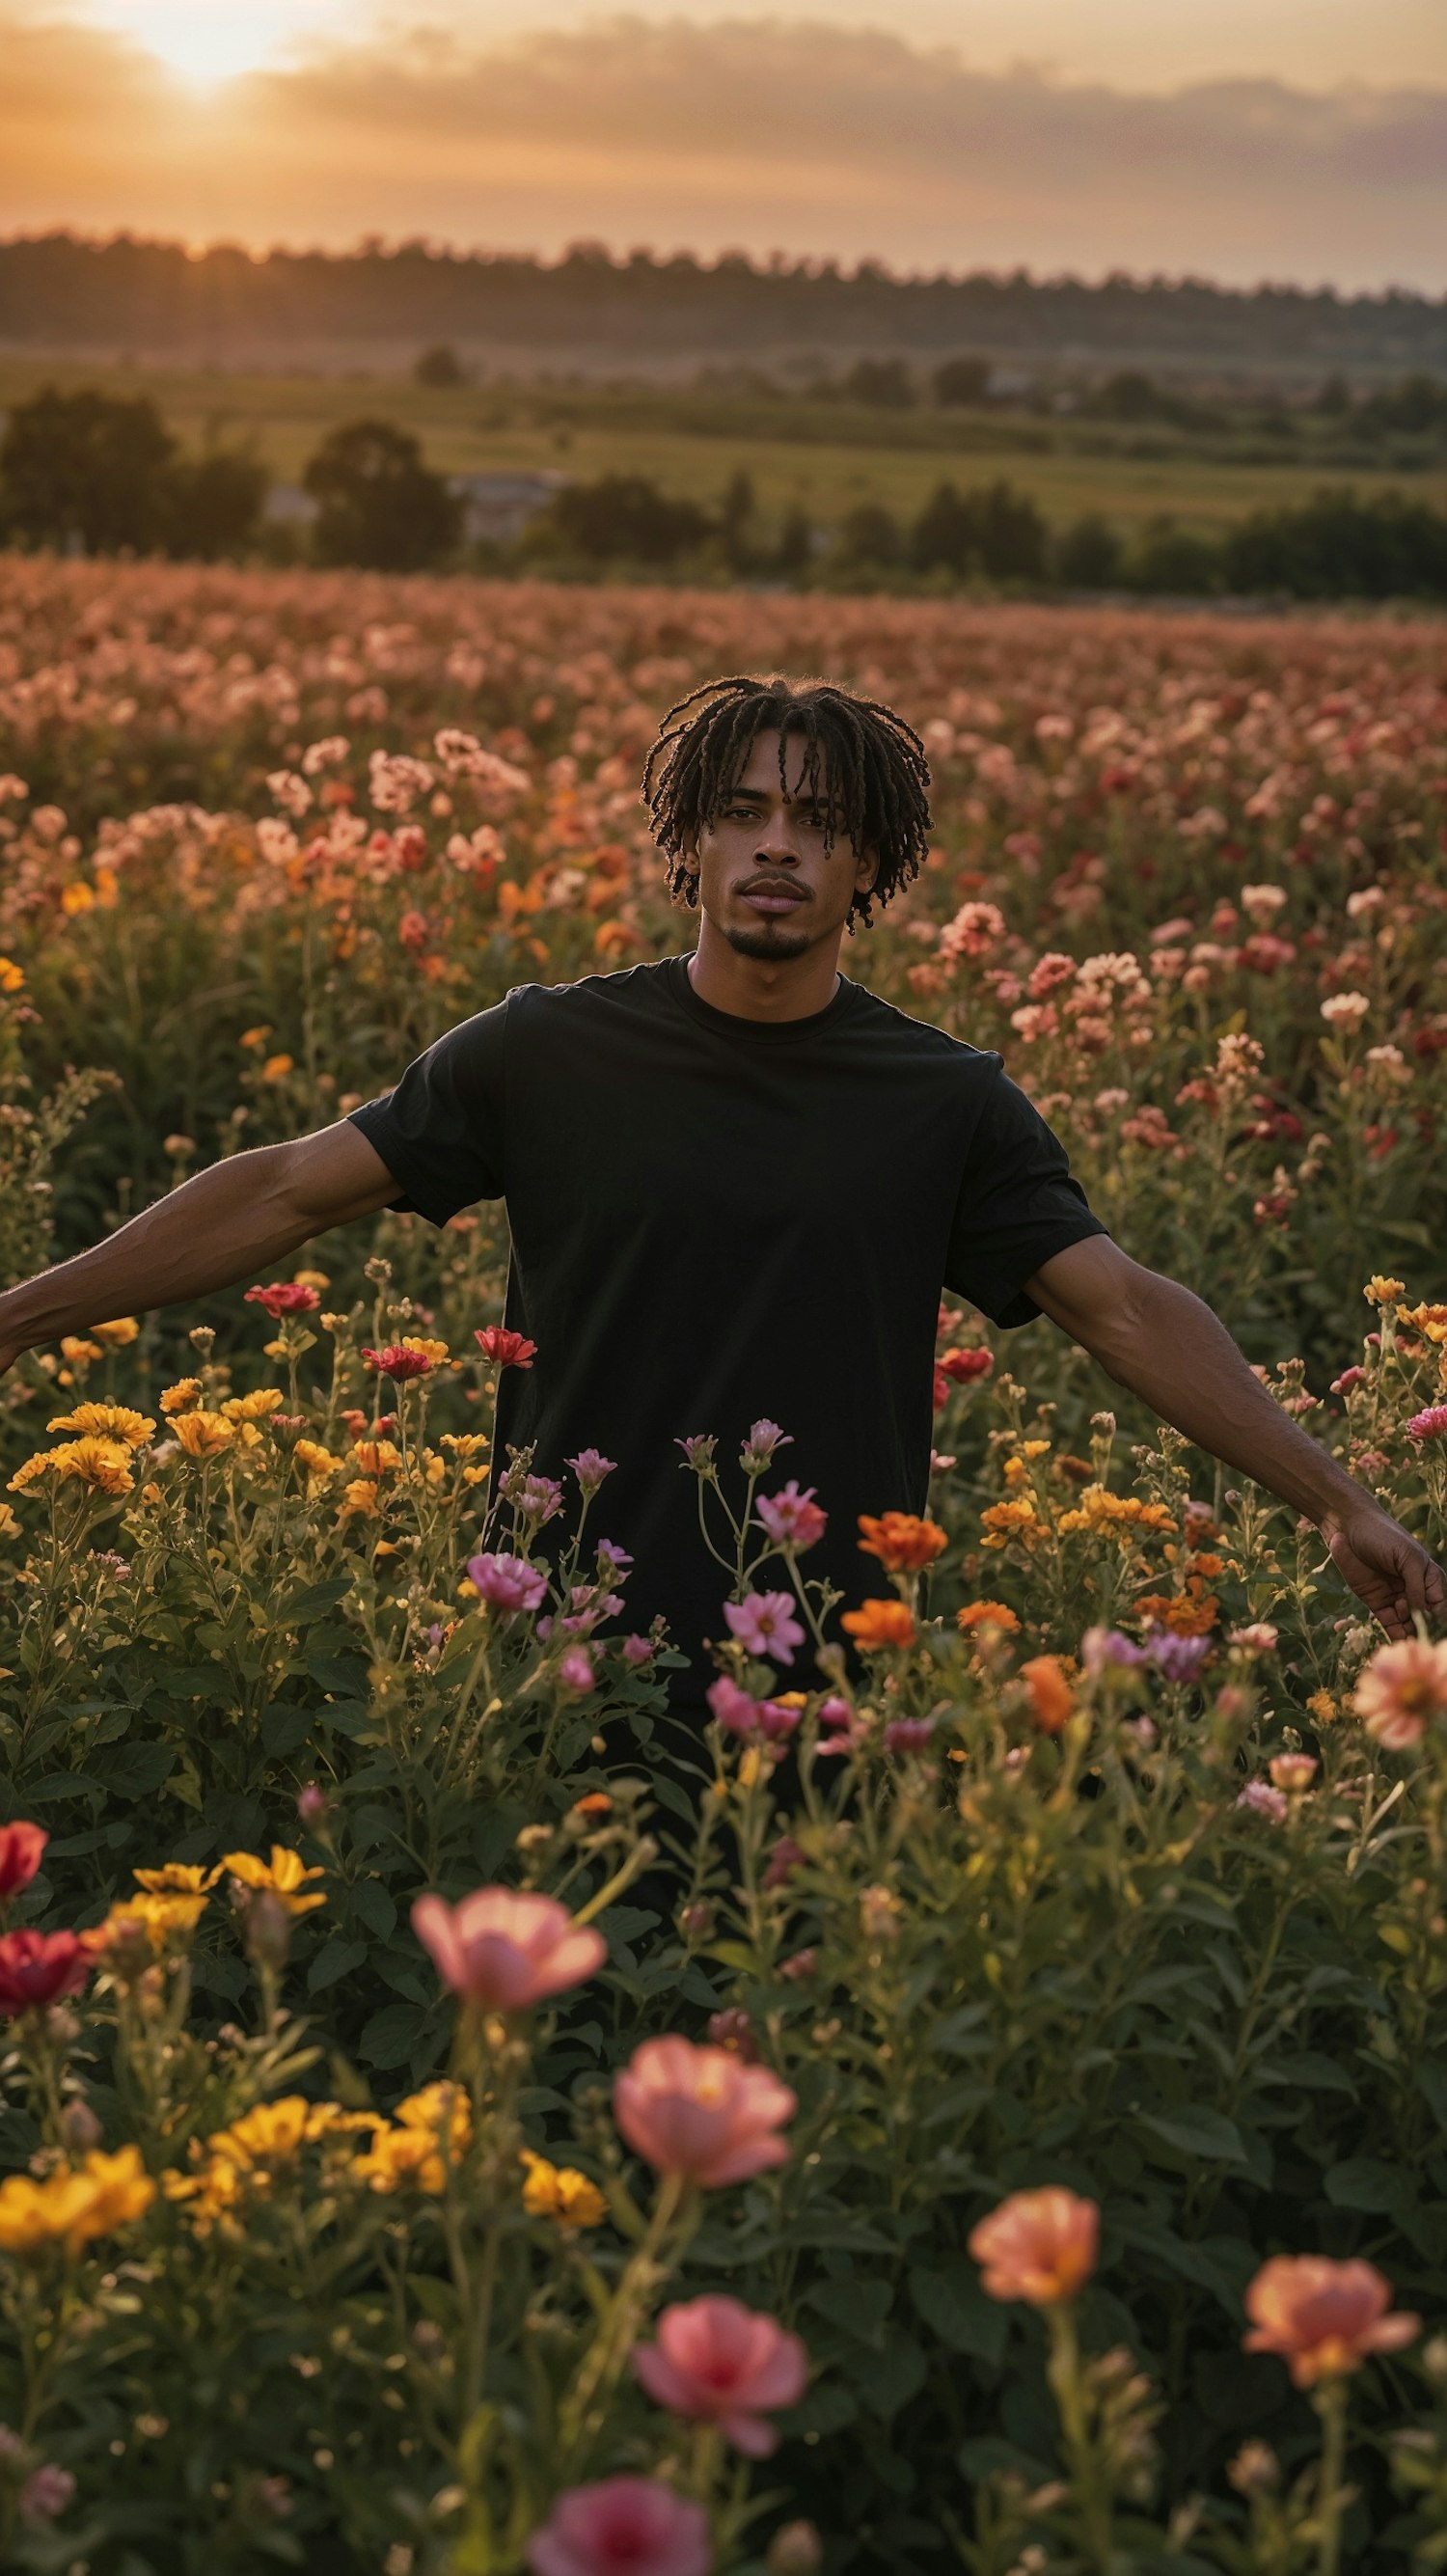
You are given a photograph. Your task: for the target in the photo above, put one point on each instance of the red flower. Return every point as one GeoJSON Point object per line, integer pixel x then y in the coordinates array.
{"type": "Point", "coordinates": [40, 1967]}
{"type": "Point", "coordinates": [504, 1348]}
{"type": "Point", "coordinates": [962, 1365]}
{"type": "Point", "coordinates": [21, 1846]}
{"type": "Point", "coordinates": [284, 1297]}
{"type": "Point", "coordinates": [397, 1361]}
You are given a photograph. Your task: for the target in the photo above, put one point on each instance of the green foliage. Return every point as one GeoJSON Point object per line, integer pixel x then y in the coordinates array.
{"type": "Point", "coordinates": [378, 504]}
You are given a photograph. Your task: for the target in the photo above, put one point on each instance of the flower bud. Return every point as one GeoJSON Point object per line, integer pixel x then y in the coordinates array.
{"type": "Point", "coordinates": [268, 1929]}
{"type": "Point", "coordinates": [795, 2550]}
{"type": "Point", "coordinates": [80, 2130]}
{"type": "Point", "coordinates": [697, 1920]}
{"type": "Point", "coordinates": [313, 1806]}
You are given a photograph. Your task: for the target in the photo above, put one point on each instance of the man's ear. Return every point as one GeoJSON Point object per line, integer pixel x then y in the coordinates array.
{"type": "Point", "coordinates": [866, 869]}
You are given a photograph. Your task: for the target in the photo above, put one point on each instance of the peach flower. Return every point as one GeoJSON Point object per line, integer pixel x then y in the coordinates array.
{"type": "Point", "coordinates": [1401, 1690]}
{"type": "Point", "coordinates": [722, 2363]}
{"type": "Point", "coordinates": [622, 2527]}
{"type": "Point", "coordinates": [1038, 2245]}
{"type": "Point", "coordinates": [506, 1950]}
{"type": "Point", "coordinates": [701, 2111]}
{"type": "Point", "coordinates": [1323, 2318]}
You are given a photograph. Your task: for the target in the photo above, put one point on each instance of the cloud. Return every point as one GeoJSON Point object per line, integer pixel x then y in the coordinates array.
{"type": "Point", "coordinates": [818, 138]}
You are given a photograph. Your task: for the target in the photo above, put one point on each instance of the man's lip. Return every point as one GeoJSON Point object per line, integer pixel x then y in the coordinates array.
{"type": "Point", "coordinates": [779, 897]}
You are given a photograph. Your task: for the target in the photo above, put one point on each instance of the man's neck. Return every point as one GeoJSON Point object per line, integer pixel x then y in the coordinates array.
{"type": "Point", "coordinates": [763, 988]}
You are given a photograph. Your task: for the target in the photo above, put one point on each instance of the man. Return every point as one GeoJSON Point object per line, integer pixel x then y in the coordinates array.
{"type": "Point", "coordinates": [737, 1184]}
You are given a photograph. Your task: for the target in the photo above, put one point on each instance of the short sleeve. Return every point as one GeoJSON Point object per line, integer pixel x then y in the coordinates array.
{"type": "Point", "coordinates": [1017, 1207]}
{"type": "Point", "coordinates": [440, 1133]}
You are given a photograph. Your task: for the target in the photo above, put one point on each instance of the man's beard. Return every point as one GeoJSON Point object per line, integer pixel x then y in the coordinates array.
{"type": "Point", "coordinates": [770, 942]}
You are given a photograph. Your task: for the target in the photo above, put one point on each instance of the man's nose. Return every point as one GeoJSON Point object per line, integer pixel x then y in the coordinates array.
{"type": "Point", "coordinates": [777, 845]}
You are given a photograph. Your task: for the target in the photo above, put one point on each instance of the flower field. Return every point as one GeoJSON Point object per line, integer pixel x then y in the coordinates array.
{"type": "Point", "coordinates": [990, 2111]}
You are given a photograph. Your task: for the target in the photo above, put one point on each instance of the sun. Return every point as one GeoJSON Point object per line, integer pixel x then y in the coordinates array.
{"type": "Point", "coordinates": [208, 42]}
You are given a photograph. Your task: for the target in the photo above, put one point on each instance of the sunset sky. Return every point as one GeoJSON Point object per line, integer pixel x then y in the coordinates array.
{"type": "Point", "coordinates": [1295, 139]}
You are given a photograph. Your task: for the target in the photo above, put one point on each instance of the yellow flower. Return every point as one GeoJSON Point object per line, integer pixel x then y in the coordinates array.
{"type": "Point", "coordinates": [8, 1522]}
{"type": "Point", "coordinates": [1323, 1708]}
{"type": "Point", "coordinates": [273, 2134]}
{"type": "Point", "coordinates": [176, 1878]}
{"type": "Point", "coordinates": [30, 1473]}
{"type": "Point", "coordinates": [108, 1421]}
{"type": "Point", "coordinates": [1099, 1509]}
{"type": "Point", "coordinates": [277, 1067]}
{"type": "Point", "coordinates": [464, 1444]}
{"type": "Point", "coordinates": [202, 1434]}
{"type": "Point", "coordinates": [376, 1457]}
{"type": "Point", "coordinates": [1380, 1292]}
{"type": "Point", "coordinates": [11, 978]}
{"type": "Point", "coordinates": [560, 2192]}
{"type": "Point", "coordinates": [161, 1917]}
{"type": "Point", "coordinates": [310, 1279]}
{"type": "Point", "coordinates": [283, 1875]}
{"type": "Point", "coordinates": [254, 1407]}
{"type": "Point", "coordinates": [318, 1462]}
{"type": "Point", "coordinates": [255, 1037]}
{"type": "Point", "coordinates": [180, 1397]}
{"type": "Point", "coordinates": [436, 1352]}
{"type": "Point", "coordinates": [1018, 1518]}
{"type": "Point", "coordinates": [433, 2134]}
{"type": "Point", "coordinates": [121, 1330]}
{"type": "Point", "coordinates": [68, 2209]}
{"type": "Point", "coordinates": [77, 1352]}
{"type": "Point", "coordinates": [1431, 1320]}
{"type": "Point", "coordinates": [104, 1465]}
{"type": "Point", "coordinates": [76, 897]}
{"type": "Point", "coordinates": [211, 2193]}
{"type": "Point", "coordinates": [359, 1498]}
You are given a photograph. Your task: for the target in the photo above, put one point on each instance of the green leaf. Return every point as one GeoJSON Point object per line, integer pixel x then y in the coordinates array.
{"type": "Point", "coordinates": [374, 1907]}
{"type": "Point", "coordinates": [391, 2035]}
{"type": "Point", "coordinates": [858, 2305]}
{"type": "Point", "coordinates": [1196, 2131]}
{"type": "Point", "coordinates": [949, 2298]}
{"type": "Point", "coordinates": [337, 1958]}
{"type": "Point", "coordinates": [303, 1609]}
{"type": "Point", "coordinates": [138, 1770]}
{"type": "Point", "coordinates": [283, 1728]}
{"type": "Point", "coordinates": [1364, 2182]}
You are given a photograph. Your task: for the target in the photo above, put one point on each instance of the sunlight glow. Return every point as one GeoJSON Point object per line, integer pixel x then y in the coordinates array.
{"type": "Point", "coordinates": [207, 42]}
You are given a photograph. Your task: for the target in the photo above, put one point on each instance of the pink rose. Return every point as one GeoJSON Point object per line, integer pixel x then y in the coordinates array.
{"type": "Point", "coordinates": [700, 2112]}
{"type": "Point", "coordinates": [504, 1949]}
{"type": "Point", "coordinates": [622, 2527]}
{"type": "Point", "coordinates": [721, 2363]}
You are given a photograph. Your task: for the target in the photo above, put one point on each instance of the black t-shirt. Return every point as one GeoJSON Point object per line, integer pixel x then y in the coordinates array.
{"type": "Point", "coordinates": [715, 1219]}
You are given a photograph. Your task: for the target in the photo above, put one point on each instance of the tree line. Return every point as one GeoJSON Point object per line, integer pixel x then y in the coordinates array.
{"type": "Point", "coordinates": [63, 290]}
{"type": "Point", "coordinates": [92, 473]}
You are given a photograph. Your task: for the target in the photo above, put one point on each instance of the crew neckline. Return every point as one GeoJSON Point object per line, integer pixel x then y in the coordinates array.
{"type": "Point", "coordinates": [765, 1032]}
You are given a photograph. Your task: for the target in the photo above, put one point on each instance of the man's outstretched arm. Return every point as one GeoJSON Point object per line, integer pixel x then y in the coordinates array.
{"type": "Point", "coordinates": [225, 1224]}
{"type": "Point", "coordinates": [1153, 1336]}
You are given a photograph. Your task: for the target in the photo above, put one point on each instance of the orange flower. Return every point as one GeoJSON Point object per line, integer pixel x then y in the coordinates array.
{"type": "Point", "coordinates": [1192, 1613]}
{"type": "Point", "coordinates": [1052, 1700]}
{"type": "Point", "coordinates": [1401, 1690]}
{"type": "Point", "coordinates": [1323, 2318]}
{"type": "Point", "coordinates": [987, 1614]}
{"type": "Point", "coordinates": [880, 1623]}
{"type": "Point", "coordinates": [1038, 2245]}
{"type": "Point", "coordinates": [902, 1541]}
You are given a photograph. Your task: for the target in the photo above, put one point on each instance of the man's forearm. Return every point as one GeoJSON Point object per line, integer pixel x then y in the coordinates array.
{"type": "Point", "coordinates": [1170, 1350]}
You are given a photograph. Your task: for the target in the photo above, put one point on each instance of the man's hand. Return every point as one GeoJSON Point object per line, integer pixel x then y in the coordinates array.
{"type": "Point", "coordinates": [1156, 1338]}
{"type": "Point", "coordinates": [1388, 1571]}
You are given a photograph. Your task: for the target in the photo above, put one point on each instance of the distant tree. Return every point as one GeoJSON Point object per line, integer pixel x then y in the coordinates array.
{"type": "Point", "coordinates": [961, 382]}
{"type": "Point", "coordinates": [992, 529]}
{"type": "Point", "coordinates": [736, 522]}
{"type": "Point", "coordinates": [1411, 406]}
{"type": "Point", "coordinates": [621, 518]}
{"type": "Point", "coordinates": [213, 504]}
{"type": "Point", "coordinates": [1089, 554]}
{"type": "Point", "coordinates": [869, 539]}
{"type": "Point", "coordinates": [1333, 397]}
{"type": "Point", "coordinates": [795, 551]}
{"type": "Point", "coordinates": [86, 470]}
{"type": "Point", "coordinates": [1339, 546]}
{"type": "Point", "coordinates": [378, 504]}
{"type": "Point", "coordinates": [1168, 557]}
{"type": "Point", "coordinates": [885, 382]}
{"type": "Point", "coordinates": [440, 367]}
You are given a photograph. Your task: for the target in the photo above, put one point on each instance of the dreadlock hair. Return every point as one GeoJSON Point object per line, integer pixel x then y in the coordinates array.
{"type": "Point", "coordinates": [869, 764]}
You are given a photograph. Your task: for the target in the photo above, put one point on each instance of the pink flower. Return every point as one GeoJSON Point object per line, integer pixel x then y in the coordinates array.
{"type": "Point", "coordinates": [284, 1297]}
{"type": "Point", "coordinates": [1401, 1690]}
{"type": "Point", "coordinates": [791, 1518]}
{"type": "Point", "coordinates": [576, 1669]}
{"type": "Point", "coordinates": [1323, 2318]}
{"type": "Point", "coordinates": [39, 1967]}
{"type": "Point", "coordinates": [396, 1361]}
{"type": "Point", "coordinates": [784, 1858]}
{"type": "Point", "coordinates": [764, 1625]}
{"type": "Point", "coordinates": [1258, 1638]}
{"type": "Point", "coordinates": [764, 1438]}
{"type": "Point", "coordinates": [719, 2362]}
{"type": "Point", "coordinates": [1038, 2245]}
{"type": "Point", "coordinates": [698, 1449]}
{"type": "Point", "coordinates": [800, 1968]}
{"type": "Point", "coordinates": [21, 1848]}
{"type": "Point", "coordinates": [908, 1734]}
{"type": "Point", "coordinates": [700, 2112]}
{"type": "Point", "coordinates": [733, 1707]}
{"type": "Point", "coordinates": [622, 2527]}
{"type": "Point", "coordinates": [590, 1467]}
{"type": "Point", "coordinates": [507, 1582]}
{"type": "Point", "coordinates": [504, 1949]}
{"type": "Point", "coordinates": [1429, 1425]}
{"type": "Point", "coordinates": [638, 1650]}
{"type": "Point", "coordinates": [1263, 1800]}
{"type": "Point", "coordinates": [504, 1348]}
{"type": "Point", "coordinates": [46, 2492]}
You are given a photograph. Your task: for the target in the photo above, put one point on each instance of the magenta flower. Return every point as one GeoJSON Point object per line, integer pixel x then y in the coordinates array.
{"type": "Point", "coordinates": [1263, 1800]}
{"type": "Point", "coordinates": [698, 1449]}
{"type": "Point", "coordinates": [1102, 1646]}
{"type": "Point", "coordinates": [764, 1625]}
{"type": "Point", "coordinates": [1178, 1659]}
{"type": "Point", "coordinates": [764, 1438]}
{"type": "Point", "coordinates": [721, 2363]}
{"type": "Point", "coordinates": [590, 1467]}
{"type": "Point", "coordinates": [775, 1720]}
{"type": "Point", "coordinates": [637, 1650]}
{"type": "Point", "coordinates": [1429, 1425]}
{"type": "Point", "coordinates": [622, 2527]}
{"type": "Point", "coordinates": [507, 1582]}
{"type": "Point", "coordinates": [733, 1707]}
{"type": "Point", "coordinates": [576, 1669]}
{"type": "Point", "coordinates": [793, 1519]}
{"type": "Point", "coordinates": [784, 1858]}
{"type": "Point", "coordinates": [908, 1734]}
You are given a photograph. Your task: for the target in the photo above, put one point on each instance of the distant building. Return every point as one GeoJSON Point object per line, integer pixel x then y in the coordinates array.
{"type": "Point", "coordinates": [499, 506]}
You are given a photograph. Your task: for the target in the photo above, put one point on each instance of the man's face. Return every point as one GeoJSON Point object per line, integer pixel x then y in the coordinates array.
{"type": "Point", "coordinates": [765, 882]}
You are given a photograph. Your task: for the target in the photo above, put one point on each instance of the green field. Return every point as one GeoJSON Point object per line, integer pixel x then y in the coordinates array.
{"type": "Point", "coordinates": [828, 456]}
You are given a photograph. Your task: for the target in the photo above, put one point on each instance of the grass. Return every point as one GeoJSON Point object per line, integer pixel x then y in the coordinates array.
{"type": "Point", "coordinates": [829, 457]}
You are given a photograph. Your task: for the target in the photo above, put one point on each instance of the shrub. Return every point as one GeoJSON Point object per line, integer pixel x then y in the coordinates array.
{"type": "Point", "coordinates": [378, 504]}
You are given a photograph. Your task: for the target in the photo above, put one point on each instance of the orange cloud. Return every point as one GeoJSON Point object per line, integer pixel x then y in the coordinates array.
{"type": "Point", "coordinates": [824, 139]}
